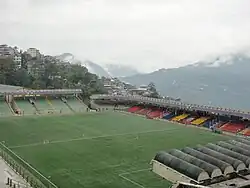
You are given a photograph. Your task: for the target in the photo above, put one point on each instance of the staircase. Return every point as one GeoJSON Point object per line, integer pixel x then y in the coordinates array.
{"type": "Point", "coordinates": [11, 109]}
{"type": "Point", "coordinates": [65, 102]}
{"type": "Point", "coordinates": [32, 102]}
{"type": "Point", "coordinates": [15, 108]}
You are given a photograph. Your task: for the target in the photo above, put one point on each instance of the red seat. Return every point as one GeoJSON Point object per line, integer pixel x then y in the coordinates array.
{"type": "Point", "coordinates": [233, 127]}
{"type": "Point", "coordinates": [134, 109]}
{"type": "Point", "coordinates": [246, 132]}
{"type": "Point", "coordinates": [155, 114]}
{"type": "Point", "coordinates": [143, 111]}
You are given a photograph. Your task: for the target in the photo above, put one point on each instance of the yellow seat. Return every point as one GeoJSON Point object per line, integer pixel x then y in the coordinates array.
{"type": "Point", "coordinates": [200, 120]}
{"type": "Point", "coordinates": [180, 117]}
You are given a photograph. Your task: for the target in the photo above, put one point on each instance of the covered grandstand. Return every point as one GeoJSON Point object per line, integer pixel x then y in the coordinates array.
{"type": "Point", "coordinates": [19, 101]}
{"type": "Point", "coordinates": [203, 165]}
{"type": "Point", "coordinates": [223, 164]}
{"type": "Point", "coordinates": [217, 119]}
{"type": "Point", "coordinates": [213, 165]}
{"type": "Point", "coordinates": [9, 88]}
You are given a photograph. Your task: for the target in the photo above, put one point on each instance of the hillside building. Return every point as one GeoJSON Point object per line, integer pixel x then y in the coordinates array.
{"type": "Point", "coordinates": [33, 52]}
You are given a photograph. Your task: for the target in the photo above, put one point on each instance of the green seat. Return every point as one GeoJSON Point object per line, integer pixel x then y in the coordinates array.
{"type": "Point", "coordinates": [25, 107]}
{"type": "Point", "coordinates": [43, 106]}
{"type": "Point", "coordinates": [77, 105]}
{"type": "Point", "coordinates": [4, 109]}
{"type": "Point", "coordinates": [60, 106]}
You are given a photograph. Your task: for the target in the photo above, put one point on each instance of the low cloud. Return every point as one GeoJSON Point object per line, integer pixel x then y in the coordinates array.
{"type": "Point", "coordinates": [146, 34]}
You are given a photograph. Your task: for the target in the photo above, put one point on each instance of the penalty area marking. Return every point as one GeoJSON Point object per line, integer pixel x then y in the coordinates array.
{"type": "Point", "coordinates": [132, 181]}
{"type": "Point", "coordinates": [93, 137]}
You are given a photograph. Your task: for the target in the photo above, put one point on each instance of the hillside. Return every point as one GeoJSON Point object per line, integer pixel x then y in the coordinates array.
{"type": "Point", "coordinates": [222, 82]}
{"type": "Point", "coordinates": [120, 70]}
{"type": "Point", "coordinates": [109, 70]}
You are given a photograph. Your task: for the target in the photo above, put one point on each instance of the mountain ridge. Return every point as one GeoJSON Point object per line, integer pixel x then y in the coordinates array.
{"type": "Point", "coordinates": [108, 70]}
{"type": "Point", "coordinates": [224, 85]}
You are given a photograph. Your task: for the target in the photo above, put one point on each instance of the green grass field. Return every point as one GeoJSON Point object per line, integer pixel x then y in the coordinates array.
{"type": "Point", "coordinates": [97, 150]}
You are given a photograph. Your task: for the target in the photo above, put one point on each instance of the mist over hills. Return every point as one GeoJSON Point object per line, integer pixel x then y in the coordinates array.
{"type": "Point", "coordinates": [223, 81]}
{"type": "Point", "coordinates": [109, 70]}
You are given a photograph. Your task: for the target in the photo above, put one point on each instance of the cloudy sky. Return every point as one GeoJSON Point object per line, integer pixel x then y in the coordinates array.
{"type": "Point", "coordinates": [146, 34]}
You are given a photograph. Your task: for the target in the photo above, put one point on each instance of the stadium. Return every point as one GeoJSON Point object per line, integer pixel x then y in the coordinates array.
{"type": "Point", "coordinates": [51, 138]}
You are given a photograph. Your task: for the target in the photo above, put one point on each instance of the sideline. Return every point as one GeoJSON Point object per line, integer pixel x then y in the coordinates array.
{"type": "Point", "coordinates": [180, 124]}
{"type": "Point", "coordinates": [136, 171]}
{"type": "Point", "coordinates": [31, 167]}
{"type": "Point", "coordinates": [93, 137]}
{"type": "Point", "coordinates": [132, 181]}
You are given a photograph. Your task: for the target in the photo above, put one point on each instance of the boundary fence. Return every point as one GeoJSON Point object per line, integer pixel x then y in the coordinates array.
{"type": "Point", "coordinates": [34, 178]}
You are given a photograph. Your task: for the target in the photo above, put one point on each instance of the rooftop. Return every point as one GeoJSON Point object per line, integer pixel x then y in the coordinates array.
{"type": "Point", "coordinates": [9, 88]}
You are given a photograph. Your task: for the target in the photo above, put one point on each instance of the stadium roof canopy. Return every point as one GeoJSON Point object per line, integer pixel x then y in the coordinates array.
{"type": "Point", "coordinates": [176, 104]}
{"type": "Point", "coordinates": [9, 88]}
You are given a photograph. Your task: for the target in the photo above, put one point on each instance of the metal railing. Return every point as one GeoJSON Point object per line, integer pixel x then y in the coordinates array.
{"type": "Point", "coordinates": [179, 104]}
{"type": "Point", "coordinates": [34, 178]}
{"type": "Point", "coordinates": [41, 92]}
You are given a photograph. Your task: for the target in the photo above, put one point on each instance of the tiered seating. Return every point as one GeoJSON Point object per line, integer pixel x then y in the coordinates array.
{"type": "Point", "coordinates": [4, 109]}
{"type": "Point", "coordinates": [188, 120]}
{"type": "Point", "coordinates": [246, 132]}
{"type": "Point", "coordinates": [233, 127]}
{"type": "Point", "coordinates": [25, 107]}
{"type": "Point", "coordinates": [200, 120]}
{"type": "Point", "coordinates": [180, 117]}
{"type": "Point", "coordinates": [155, 114]}
{"type": "Point", "coordinates": [76, 105]}
{"type": "Point", "coordinates": [167, 115]}
{"type": "Point", "coordinates": [143, 111]}
{"type": "Point", "coordinates": [60, 106]}
{"type": "Point", "coordinates": [134, 109]}
{"type": "Point", "coordinates": [219, 124]}
{"type": "Point", "coordinates": [43, 106]}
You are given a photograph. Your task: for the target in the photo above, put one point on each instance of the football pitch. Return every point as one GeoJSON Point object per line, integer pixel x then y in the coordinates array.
{"type": "Point", "coordinates": [97, 150]}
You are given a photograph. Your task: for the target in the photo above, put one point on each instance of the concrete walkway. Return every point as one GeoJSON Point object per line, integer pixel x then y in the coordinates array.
{"type": "Point", "coordinates": [2, 175]}
{"type": "Point", "coordinates": [5, 172]}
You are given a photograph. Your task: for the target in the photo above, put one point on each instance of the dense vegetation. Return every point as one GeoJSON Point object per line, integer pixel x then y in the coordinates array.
{"type": "Point", "coordinates": [48, 73]}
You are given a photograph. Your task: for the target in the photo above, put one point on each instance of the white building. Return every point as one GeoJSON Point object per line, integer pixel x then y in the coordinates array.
{"type": "Point", "coordinates": [18, 60]}
{"type": "Point", "coordinates": [6, 50]}
{"type": "Point", "coordinates": [33, 52]}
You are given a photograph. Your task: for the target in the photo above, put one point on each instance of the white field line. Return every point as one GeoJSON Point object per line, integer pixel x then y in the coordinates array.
{"type": "Point", "coordinates": [136, 171]}
{"type": "Point", "coordinates": [93, 137]}
{"type": "Point", "coordinates": [31, 167]}
{"type": "Point", "coordinates": [131, 181]}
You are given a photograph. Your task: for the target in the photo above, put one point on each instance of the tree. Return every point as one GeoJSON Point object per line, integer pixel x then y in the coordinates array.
{"type": "Point", "coordinates": [48, 72]}
{"type": "Point", "coordinates": [151, 87]}
{"type": "Point", "coordinates": [7, 68]}
{"type": "Point", "coordinates": [21, 78]}
{"type": "Point", "coordinates": [152, 90]}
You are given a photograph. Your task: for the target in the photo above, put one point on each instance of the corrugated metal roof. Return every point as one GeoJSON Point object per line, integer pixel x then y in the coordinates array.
{"type": "Point", "coordinates": [9, 88]}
